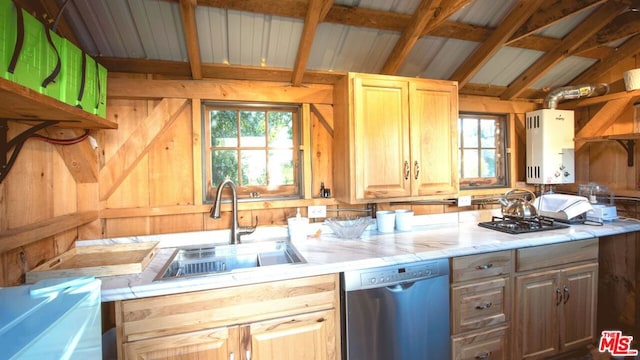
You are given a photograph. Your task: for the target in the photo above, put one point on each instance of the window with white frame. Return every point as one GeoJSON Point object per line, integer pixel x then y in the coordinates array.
{"type": "Point", "coordinates": [482, 150]}
{"type": "Point", "coordinates": [255, 145]}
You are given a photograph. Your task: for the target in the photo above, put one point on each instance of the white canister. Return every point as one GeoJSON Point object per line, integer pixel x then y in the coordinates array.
{"type": "Point", "coordinates": [404, 219]}
{"type": "Point", "coordinates": [386, 221]}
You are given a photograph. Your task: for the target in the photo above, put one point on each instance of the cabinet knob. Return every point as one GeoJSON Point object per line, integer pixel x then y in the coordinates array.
{"type": "Point", "coordinates": [483, 356]}
{"type": "Point", "coordinates": [558, 296]}
{"type": "Point", "coordinates": [566, 294]}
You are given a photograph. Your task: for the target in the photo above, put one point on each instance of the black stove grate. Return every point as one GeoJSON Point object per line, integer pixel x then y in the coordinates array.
{"type": "Point", "coordinates": [512, 225]}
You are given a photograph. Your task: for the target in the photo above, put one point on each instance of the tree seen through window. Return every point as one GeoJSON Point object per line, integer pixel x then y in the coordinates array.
{"type": "Point", "coordinates": [254, 147]}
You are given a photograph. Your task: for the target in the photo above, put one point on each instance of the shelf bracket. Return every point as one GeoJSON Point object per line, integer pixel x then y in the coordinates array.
{"type": "Point", "coordinates": [16, 144]}
{"type": "Point", "coordinates": [629, 146]}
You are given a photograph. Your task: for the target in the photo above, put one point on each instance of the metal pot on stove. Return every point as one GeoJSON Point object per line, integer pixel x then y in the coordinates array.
{"type": "Point", "coordinates": [515, 204]}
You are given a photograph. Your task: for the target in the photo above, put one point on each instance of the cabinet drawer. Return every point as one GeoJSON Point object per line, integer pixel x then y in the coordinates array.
{"type": "Point", "coordinates": [481, 265]}
{"type": "Point", "coordinates": [489, 345]}
{"type": "Point", "coordinates": [538, 257]}
{"type": "Point", "coordinates": [479, 305]}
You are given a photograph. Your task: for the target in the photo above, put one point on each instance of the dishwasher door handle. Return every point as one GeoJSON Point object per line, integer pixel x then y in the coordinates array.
{"type": "Point", "coordinates": [400, 287]}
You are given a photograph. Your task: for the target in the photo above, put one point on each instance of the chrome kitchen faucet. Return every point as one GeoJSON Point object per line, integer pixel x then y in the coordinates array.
{"type": "Point", "coordinates": [236, 231]}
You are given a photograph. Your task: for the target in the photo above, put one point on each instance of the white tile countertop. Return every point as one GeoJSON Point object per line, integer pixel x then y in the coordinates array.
{"type": "Point", "coordinates": [432, 237]}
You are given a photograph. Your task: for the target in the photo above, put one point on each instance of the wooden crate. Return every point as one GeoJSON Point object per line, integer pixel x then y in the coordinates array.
{"type": "Point", "coordinates": [98, 260]}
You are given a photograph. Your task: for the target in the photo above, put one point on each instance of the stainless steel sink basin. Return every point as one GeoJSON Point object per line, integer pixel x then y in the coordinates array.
{"type": "Point", "coordinates": [192, 261]}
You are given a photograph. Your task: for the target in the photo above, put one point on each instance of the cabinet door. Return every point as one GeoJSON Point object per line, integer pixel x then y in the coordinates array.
{"type": "Point", "coordinates": [434, 138]}
{"type": "Point", "coordinates": [381, 131]}
{"type": "Point", "coordinates": [310, 336]}
{"type": "Point", "coordinates": [579, 287]}
{"type": "Point", "coordinates": [215, 344]}
{"type": "Point", "coordinates": [536, 315]}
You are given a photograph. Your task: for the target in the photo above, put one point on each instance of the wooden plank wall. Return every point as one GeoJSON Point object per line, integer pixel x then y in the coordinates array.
{"type": "Point", "coordinates": [148, 171]}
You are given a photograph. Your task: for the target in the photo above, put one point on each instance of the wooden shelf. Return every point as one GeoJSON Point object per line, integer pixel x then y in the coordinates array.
{"type": "Point", "coordinates": [630, 136]}
{"type": "Point", "coordinates": [24, 235]}
{"type": "Point", "coordinates": [627, 141]}
{"type": "Point", "coordinates": [22, 103]}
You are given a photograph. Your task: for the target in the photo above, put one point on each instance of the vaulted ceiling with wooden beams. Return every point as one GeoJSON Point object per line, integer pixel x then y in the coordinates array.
{"type": "Point", "coordinates": [510, 49]}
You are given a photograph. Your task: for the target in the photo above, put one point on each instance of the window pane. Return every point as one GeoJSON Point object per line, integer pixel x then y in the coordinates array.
{"type": "Point", "coordinates": [488, 163]}
{"type": "Point", "coordinates": [224, 128]}
{"type": "Point", "coordinates": [470, 132]}
{"type": "Point", "coordinates": [254, 170]}
{"type": "Point", "coordinates": [280, 129]}
{"type": "Point", "coordinates": [470, 161]}
{"type": "Point", "coordinates": [252, 128]}
{"type": "Point", "coordinates": [280, 167]}
{"type": "Point", "coordinates": [488, 133]}
{"type": "Point", "coordinates": [224, 165]}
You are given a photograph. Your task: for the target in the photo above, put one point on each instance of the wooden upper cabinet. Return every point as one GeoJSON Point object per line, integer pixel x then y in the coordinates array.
{"type": "Point", "coordinates": [381, 129]}
{"type": "Point", "coordinates": [395, 138]}
{"type": "Point", "coordinates": [434, 135]}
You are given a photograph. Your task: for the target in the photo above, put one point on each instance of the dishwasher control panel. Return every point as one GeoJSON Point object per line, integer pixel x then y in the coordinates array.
{"type": "Point", "coordinates": [391, 275]}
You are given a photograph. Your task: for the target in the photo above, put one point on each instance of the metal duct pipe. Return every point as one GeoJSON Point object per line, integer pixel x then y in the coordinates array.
{"type": "Point", "coordinates": [574, 92]}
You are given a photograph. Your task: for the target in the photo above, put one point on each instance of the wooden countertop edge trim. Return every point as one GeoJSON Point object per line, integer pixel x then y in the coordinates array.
{"type": "Point", "coordinates": [27, 234]}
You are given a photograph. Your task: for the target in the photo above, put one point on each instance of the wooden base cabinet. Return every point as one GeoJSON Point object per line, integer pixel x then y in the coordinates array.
{"type": "Point", "coordinates": [555, 307]}
{"type": "Point", "coordinates": [294, 319]}
{"type": "Point", "coordinates": [481, 306]}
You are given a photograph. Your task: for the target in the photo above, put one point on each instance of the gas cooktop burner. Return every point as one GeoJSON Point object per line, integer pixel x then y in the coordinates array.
{"type": "Point", "coordinates": [513, 225]}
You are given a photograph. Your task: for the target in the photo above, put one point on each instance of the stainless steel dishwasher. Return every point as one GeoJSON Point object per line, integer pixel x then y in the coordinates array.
{"type": "Point", "coordinates": [398, 312]}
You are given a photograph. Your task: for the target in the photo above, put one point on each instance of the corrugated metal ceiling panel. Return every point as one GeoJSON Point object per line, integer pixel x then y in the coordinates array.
{"type": "Point", "coordinates": [436, 58]}
{"type": "Point", "coordinates": [563, 72]}
{"type": "Point", "coordinates": [244, 38]}
{"type": "Point", "coordinates": [505, 66]}
{"type": "Point", "coordinates": [487, 13]}
{"type": "Point", "coordinates": [150, 29]}
{"type": "Point", "coordinates": [349, 48]}
{"type": "Point", "coordinates": [563, 27]}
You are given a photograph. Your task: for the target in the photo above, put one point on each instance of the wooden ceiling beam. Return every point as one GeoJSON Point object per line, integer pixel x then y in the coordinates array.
{"type": "Point", "coordinates": [316, 11]}
{"type": "Point", "coordinates": [549, 13]}
{"type": "Point", "coordinates": [187, 12]}
{"type": "Point", "coordinates": [625, 25]}
{"type": "Point", "coordinates": [592, 24]}
{"type": "Point", "coordinates": [629, 48]}
{"type": "Point", "coordinates": [384, 20]}
{"type": "Point", "coordinates": [494, 43]}
{"type": "Point", "coordinates": [426, 11]}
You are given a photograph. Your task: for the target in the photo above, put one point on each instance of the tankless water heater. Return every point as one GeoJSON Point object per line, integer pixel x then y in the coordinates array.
{"type": "Point", "coordinates": [550, 147]}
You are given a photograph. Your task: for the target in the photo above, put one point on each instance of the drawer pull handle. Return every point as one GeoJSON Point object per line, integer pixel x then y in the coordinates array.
{"type": "Point", "coordinates": [484, 267]}
{"type": "Point", "coordinates": [483, 356]}
{"type": "Point", "coordinates": [484, 306]}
